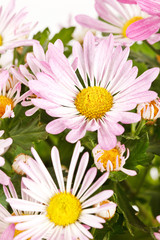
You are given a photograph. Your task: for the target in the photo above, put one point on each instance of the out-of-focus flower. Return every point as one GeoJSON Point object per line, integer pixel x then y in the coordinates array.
{"type": "Point", "coordinates": [16, 163]}
{"type": "Point", "coordinates": [9, 97]}
{"type": "Point", "coordinates": [35, 62]}
{"type": "Point", "coordinates": [52, 200]}
{"type": "Point", "coordinates": [112, 160]}
{"type": "Point", "coordinates": [8, 230]}
{"type": "Point", "coordinates": [96, 97]}
{"type": "Point", "coordinates": [13, 29]}
{"type": "Point", "coordinates": [4, 145]}
{"type": "Point", "coordinates": [150, 110]}
{"type": "Point", "coordinates": [107, 214]}
{"type": "Point", "coordinates": [118, 18]}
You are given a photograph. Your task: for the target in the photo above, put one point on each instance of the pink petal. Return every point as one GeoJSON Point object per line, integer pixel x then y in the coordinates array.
{"type": "Point", "coordinates": [150, 6]}
{"type": "Point", "coordinates": [143, 29]}
{"type": "Point", "coordinates": [8, 234]}
{"type": "Point", "coordinates": [4, 179]}
{"type": "Point", "coordinates": [129, 117]}
{"type": "Point", "coordinates": [127, 1]}
{"type": "Point", "coordinates": [56, 126]}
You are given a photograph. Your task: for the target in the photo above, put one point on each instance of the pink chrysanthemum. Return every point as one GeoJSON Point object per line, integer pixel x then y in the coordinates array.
{"type": "Point", "coordinates": [150, 110]}
{"type": "Point", "coordinates": [112, 160]}
{"type": "Point", "coordinates": [52, 200]}
{"type": "Point", "coordinates": [35, 62]}
{"type": "Point", "coordinates": [146, 28]}
{"type": "Point", "coordinates": [8, 230]}
{"type": "Point", "coordinates": [118, 18]}
{"type": "Point", "coordinates": [98, 97]}
{"type": "Point", "coordinates": [4, 145]}
{"type": "Point", "coordinates": [13, 29]}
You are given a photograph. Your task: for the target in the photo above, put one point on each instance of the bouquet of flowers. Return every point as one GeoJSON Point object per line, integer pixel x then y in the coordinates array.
{"type": "Point", "coordinates": [80, 125]}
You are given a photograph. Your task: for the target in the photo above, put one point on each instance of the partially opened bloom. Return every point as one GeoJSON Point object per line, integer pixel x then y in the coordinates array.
{"type": "Point", "coordinates": [13, 29]}
{"type": "Point", "coordinates": [4, 145]}
{"type": "Point", "coordinates": [112, 160]}
{"type": "Point", "coordinates": [8, 97]}
{"type": "Point", "coordinates": [150, 110]}
{"type": "Point", "coordinates": [7, 230]}
{"type": "Point", "coordinates": [107, 214]}
{"type": "Point", "coordinates": [98, 97]}
{"type": "Point", "coordinates": [64, 209]}
{"type": "Point", "coordinates": [117, 19]}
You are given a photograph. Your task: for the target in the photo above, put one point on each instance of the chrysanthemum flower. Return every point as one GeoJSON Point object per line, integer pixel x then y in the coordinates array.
{"type": "Point", "coordinates": [147, 27]}
{"type": "Point", "coordinates": [107, 214]}
{"type": "Point", "coordinates": [157, 235]}
{"type": "Point", "coordinates": [16, 163]}
{"type": "Point", "coordinates": [7, 230]}
{"type": "Point", "coordinates": [35, 62]}
{"type": "Point", "coordinates": [112, 160]}
{"type": "Point", "coordinates": [150, 110]}
{"type": "Point", "coordinates": [117, 19]}
{"type": "Point", "coordinates": [4, 145]}
{"type": "Point", "coordinates": [98, 97]}
{"type": "Point", "coordinates": [9, 97]}
{"type": "Point", "coordinates": [13, 29]}
{"type": "Point", "coordinates": [64, 209]}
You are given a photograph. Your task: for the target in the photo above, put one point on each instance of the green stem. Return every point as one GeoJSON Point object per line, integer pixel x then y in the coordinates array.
{"type": "Point", "coordinates": [153, 49]}
{"type": "Point", "coordinates": [140, 126]}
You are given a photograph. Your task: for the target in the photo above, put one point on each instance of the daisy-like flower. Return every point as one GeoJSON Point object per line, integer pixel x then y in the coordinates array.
{"type": "Point", "coordinates": [64, 209]}
{"type": "Point", "coordinates": [20, 158]}
{"type": "Point", "coordinates": [13, 29]}
{"type": "Point", "coordinates": [117, 19]}
{"type": "Point", "coordinates": [9, 97]}
{"type": "Point", "coordinates": [150, 110]}
{"type": "Point", "coordinates": [8, 230]}
{"type": "Point", "coordinates": [157, 235]}
{"type": "Point", "coordinates": [112, 160]}
{"type": "Point", "coordinates": [4, 145]}
{"type": "Point", "coordinates": [98, 97]}
{"type": "Point", "coordinates": [35, 62]}
{"type": "Point", "coordinates": [147, 27]}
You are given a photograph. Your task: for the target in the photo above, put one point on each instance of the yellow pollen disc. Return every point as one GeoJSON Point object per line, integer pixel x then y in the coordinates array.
{"type": "Point", "coordinates": [1, 40]}
{"type": "Point", "coordinates": [64, 209]}
{"type": "Point", "coordinates": [128, 23]}
{"type": "Point", "coordinates": [93, 102]}
{"type": "Point", "coordinates": [110, 155]}
{"type": "Point", "coordinates": [4, 101]}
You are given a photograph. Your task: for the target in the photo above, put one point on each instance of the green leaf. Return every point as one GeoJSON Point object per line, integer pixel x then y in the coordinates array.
{"type": "Point", "coordinates": [23, 130]}
{"type": "Point", "coordinates": [65, 34]}
{"type": "Point", "coordinates": [128, 211]}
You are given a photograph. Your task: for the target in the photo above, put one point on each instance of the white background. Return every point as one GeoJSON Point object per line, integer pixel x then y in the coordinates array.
{"type": "Point", "coordinates": [54, 13]}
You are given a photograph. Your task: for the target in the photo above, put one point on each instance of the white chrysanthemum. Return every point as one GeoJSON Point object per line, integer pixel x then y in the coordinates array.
{"type": "Point", "coordinates": [64, 209]}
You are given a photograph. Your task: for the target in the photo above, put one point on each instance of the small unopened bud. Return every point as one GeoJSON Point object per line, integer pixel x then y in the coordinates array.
{"type": "Point", "coordinates": [20, 158]}
{"type": "Point", "coordinates": [109, 212]}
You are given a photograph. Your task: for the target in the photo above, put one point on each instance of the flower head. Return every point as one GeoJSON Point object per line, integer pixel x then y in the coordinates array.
{"type": "Point", "coordinates": [118, 18]}
{"type": "Point", "coordinates": [63, 209]}
{"type": "Point", "coordinates": [107, 213]}
{"type": "Point", "coordinates": [150, 110]}
{"type": "Point", "coordinates": [95, 97]}
{"type": "Point", "coordinates": [112, 160]}
{"type": "Point", "coordinates": [13, 29]}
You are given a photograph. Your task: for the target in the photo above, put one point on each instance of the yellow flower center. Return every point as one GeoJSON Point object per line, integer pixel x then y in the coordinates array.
{"type": "Point", "coordinates": [4, 101]}
{"type": "Point", "coordinates": [128, 23]}
{"type": "Point", "coordinates": [93, 102]}
{"type": "Point", "coordinates": [64, 209]}
{"type": "Point", "coordinates": [110, 155]}
{"type": "Point", "coordinates": [1, 40]}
